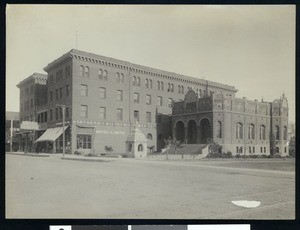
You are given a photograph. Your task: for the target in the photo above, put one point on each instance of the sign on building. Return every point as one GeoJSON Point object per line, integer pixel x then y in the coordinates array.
{"type": "Point", "coordinates": [29, 125]}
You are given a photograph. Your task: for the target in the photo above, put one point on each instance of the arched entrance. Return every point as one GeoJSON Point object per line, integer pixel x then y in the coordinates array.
{"type": "Point", "coordinates": [205, 130]}
{"type": "Point", "coordinates": [179, 131]}
{"type": "Point", "coordinates": [192, 132]}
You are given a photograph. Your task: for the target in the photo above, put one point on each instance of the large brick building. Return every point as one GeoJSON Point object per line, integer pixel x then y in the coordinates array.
{"type": "Point", "coordinates": [105, 97]}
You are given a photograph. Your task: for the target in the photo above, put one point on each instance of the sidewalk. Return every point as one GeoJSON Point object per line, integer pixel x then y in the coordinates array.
{"type": "Point", "coordinates": [29, 154]}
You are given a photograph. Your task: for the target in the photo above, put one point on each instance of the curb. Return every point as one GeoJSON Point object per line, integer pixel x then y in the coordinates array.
{"type": "Point", "coordinates": [29, 154]}
{"type": "Point", "coordinates": [82, 159]}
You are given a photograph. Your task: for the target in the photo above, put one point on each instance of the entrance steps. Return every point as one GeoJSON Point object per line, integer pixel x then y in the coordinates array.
{"type": "Point", "coordinates": [190, 149]}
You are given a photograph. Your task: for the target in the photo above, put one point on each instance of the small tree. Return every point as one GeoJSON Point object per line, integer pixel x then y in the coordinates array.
{"type": "Point", "coordinates": [292, 148]}
{"type": "Point", "coordinates": [213, 147]}
{"type": "Point", "coordinates": [273, 143]}
{"type": "Point", "coordinates": [108, 149]}
{"type": "Point", "coordinates": [174, 144]}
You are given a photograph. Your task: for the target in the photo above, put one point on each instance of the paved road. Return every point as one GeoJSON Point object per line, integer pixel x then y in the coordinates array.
{"type": "Point", "coordinates": [48, 187]}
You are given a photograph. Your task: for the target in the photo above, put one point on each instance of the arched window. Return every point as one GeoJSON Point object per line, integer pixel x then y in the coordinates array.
{"type": "Point", "coordinates": [219, 129]}
{"type": "Point", "coordinates": [158, 85]}
{"type": "Point", "coordinates": [179, 89]}
{"type": "Point", "coordinates": [169, 87]}
{"type": "Point", "coordinates": [182, 89]}
{"type": "Point", "coordinates": [122, 78]}
{"type": "Point", "coordinates": [149, 136]}
{"type": "Point", "coordinates": [262, 134]}
{"type": "Point", "coordinates": [277, 132]}
{"type": "Point", "coordinates": [147, 83]}
{"type": "Point", "coordinates": [239, 130]}
{"type": "Point", "coordinates": [81, 70]}
{"type": "Point", "coordinates": [130, 147]}
{"type": "Point", "coordinates": [87, 71]}
{"type": "Point", "coordinates": [150, 84]}
{"type": "Point", "coordinates": [134, 80]}
{"type": "Point", "coordinates": [251, 132]}
{"type": "Point", "coordinates": [100, 73]}
{"type": "Point", "coordinates": [138, 83]}
{"type": "Point", "coordinates": [200, 93]}
{"type": "Point", "coordinates": [140, 147]}
{"type": "Point", "coordinates": [172, 87]}
{"type": "Point", "coordinates": [105, 75]}
{"type": "Point", "coordinates": [118, 77]}
{"type": "Point", "coordinates": [284, 133]}
{"type": "Point", "coordinates": [162, 86]}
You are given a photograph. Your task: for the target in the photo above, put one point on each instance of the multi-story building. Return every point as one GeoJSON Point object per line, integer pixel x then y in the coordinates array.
{"type": "Point", "coordinates": [238, 125]}
{"type": "Point", "coordinates": [106, 96]}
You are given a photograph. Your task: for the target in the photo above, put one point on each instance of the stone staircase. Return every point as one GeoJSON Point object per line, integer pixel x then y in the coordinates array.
{"type": "Point", "coordinates": [190, 149]}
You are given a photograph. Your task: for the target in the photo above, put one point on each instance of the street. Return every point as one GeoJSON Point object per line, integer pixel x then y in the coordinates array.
{"type": "Point", "coordinates": [49, 187]}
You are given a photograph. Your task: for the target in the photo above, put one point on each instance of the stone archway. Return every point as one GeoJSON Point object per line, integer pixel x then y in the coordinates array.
{"type": "Point", "coordinates": [191, 132]}
{"type": "Point", "coordinates": [179, 131]}
{"type": "Point", "coordinates": [205, 130]}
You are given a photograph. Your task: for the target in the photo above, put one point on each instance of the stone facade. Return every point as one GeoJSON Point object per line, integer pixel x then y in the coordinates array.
{"type": "Point", "coordinates": [239, 125]}
{"type": "Point", "coordinates": [105, 97]}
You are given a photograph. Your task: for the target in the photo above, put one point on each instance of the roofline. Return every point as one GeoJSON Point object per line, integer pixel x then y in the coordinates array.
{"type": "Point", "coordinates": [133, 65]}
{"type": "Point", "coordinates": [33, 76]}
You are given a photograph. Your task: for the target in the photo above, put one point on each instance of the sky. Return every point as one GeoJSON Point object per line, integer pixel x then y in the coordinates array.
{"type": "Point", "coordinates": [251, 47]}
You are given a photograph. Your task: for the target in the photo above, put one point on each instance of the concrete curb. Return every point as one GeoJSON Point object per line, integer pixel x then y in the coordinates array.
{"type": "Point", "coordinates": [83, 159]}
{"type": "Point", "coordinates": [29, 154]}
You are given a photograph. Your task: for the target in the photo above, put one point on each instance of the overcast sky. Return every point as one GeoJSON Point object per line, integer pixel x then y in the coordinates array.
{"type": "Point", "coordinates": [249, 47]}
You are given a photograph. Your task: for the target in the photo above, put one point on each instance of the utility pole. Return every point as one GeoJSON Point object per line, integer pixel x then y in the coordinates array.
{"type": "Point", "coordinates": [63, 107]}
{"type": "Point", "coordinates": [11, 133]}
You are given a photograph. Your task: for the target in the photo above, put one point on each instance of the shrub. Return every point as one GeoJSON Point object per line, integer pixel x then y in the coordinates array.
{"type": "Point", "coordinates": [77, 153]}
{"type": "Point", "coordinates": [108, 149]}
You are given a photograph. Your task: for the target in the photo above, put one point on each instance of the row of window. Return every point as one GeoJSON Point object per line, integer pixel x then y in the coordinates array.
{"type": "Point", "coordinates": [27, 91]}
{"type": "Point", "coordinates": [119, 113]}
{"type": "Point", "coordinates": [27, 105]}
{"type": "Point", "coordinates": [59, 113]}
{"type": "Point", "coordinates": [262, 133]}
{"type": "Point", "coordinates": [59, 75]}
{"type": "Point", "coordinates": [136, 96]}
{"type": "Point", "coordinates": [251, 149]}
{"type": "Point", "coordinates": [84, 71]}
{"type": "Point", "coordinates": [59, 93]}
{"type": "Point", "coordinates": [84, 141]}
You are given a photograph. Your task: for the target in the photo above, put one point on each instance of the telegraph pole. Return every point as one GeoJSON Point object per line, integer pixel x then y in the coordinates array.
{"type": "Point", "coordinates": [11, 134]}
{"type": "Point", "coordinates": [63, 107]}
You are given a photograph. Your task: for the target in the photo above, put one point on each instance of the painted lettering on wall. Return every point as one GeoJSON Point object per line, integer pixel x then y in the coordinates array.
{"type": "Point", "coordinates": [105, 123]}
{"type": "Point", "coordinates": [116, 132]}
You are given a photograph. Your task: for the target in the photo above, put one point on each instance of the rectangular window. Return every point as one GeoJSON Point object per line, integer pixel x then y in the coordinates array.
{"type": "Point", "coordinates": [159, 101]}
{"type": "Point", "coordinates": [136, 115]}
{"type": "Point", "coordinates": [56, 94]}
{"type": "Point", "coordinates": [83, 111]}
{"type": "Point", "coordinates": [253, 149]}
{"type": "Point", "coordinates": [102, 93]}
{"type": "Point", "coordinates": [60, 113]}
{"type": "Point", "coordinates": [261, 149]}
{"type": "Point", "coordinates": [60, 92]}
{"type": "Point", "coordinates": [265, 149]}
{"type": "Point", "coordinates": [119, 114]}
{"type": "Point", "coordinates": [51, 95]}
{"type": "Point", "coordinates": [84, 90]}
{"type": "Point", "coordinates": [84, 141]}
{"type": "Point", "coordinates": [119, 95]}
{"type": "Point", "coordinates": [67, 112]}
{"type": "Point", "coordinates": [277, 149]}
{"type": "Point", "coordinates": [51, 115]}
{"type": "Point", "coordinates": [170, 102]}
{"type": "Point", "coordinates": [148, 116]}
{"type": "Point", "coordinates": [56, 113]}
{"type": "Point", "coordinates": [102, 113]}
{"type": "Point", "coordinates": [67, 90]}
{"type": "Point", "coordinates": [136, 98]}
{"type": "Point", "coordinates": [148, 99]}
{"type": "Point", "coordinates": [45, 116]}
{"type": "Point", "coordinates": [31, 103]}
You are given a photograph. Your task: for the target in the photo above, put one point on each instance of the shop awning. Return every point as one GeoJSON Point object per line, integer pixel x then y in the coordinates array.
{"type": "Point", "coordinates": [51, 134]}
